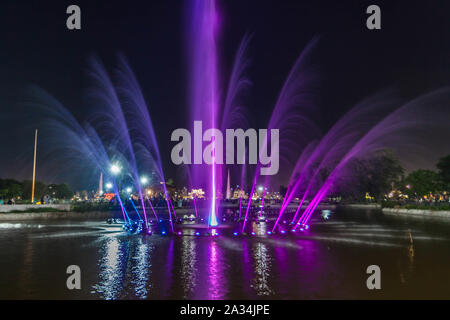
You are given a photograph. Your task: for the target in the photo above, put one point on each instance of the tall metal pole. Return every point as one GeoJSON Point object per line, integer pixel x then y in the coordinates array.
{"type": "Point", "coordinates": [34, 166]}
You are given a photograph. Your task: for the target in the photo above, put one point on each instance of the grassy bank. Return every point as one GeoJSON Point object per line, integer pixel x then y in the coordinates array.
{"type": "Point", "coordinates": [76, 207]}
{"type": "Point", "coordinates": [92, 206]}
{"type": "Point", "coordinates": [410, 206]}
{"type": "Point", "coordinates": [35, 210]}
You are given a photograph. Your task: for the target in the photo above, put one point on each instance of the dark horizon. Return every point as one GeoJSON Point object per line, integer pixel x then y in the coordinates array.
{"type": "Point", "coordinates": [410, 54]}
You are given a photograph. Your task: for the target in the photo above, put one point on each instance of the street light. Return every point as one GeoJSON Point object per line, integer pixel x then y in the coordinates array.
{"type": "Point", "coordinates": [115, 169]}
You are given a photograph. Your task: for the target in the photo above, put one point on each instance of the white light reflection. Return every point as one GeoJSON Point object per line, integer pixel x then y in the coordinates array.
{"type": "Point", "coordinates": [188, 270]}
{"type": "Point", "coordinates": [141, 270]}
{"type": "Point", "coordinates": [262, 265]}
{"type": "Point", "coordinates": [110, 275]}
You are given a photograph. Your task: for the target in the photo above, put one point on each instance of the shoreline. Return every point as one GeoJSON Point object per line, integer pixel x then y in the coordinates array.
{"type": "Point", "coordinates": [417, 212]}
{"type": "Point", "coordinates": [360, 206]}
{"type": "Point", "coordinates": [69, 215]}
{"type": "Point", "coordinates": [6, 208]}
{"type": "Point", "coordinates": [74, 215]}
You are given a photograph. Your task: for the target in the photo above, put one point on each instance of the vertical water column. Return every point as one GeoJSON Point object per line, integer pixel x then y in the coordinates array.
{"type": "Point", "coordinates": [211, 47]}
{"type": "Point", "coordinates": [203, 20]}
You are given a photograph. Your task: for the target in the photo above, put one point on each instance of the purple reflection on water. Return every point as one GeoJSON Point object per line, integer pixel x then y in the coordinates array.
{"type": "Point", "coordinates": [281, 267]}
{"type": "Point", "coordinates": [322, 263]}
{"type": "Point", "coordinates": [188, 266]}
{"type": "Point", "coordinates": [168, 274]}
{"type": "Point", "coordinates": [216, 281]}
{"type": "Point", "coordinates": [247, 267]}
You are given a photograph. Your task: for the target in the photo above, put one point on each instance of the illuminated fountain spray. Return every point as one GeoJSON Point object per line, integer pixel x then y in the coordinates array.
{"type": "Point", "coordinates": [141, 126]}
{"type": "Point", "coordinates": [393, 131]}
{"type": "Point", "coordinates": [234, 112]}
{"type": "Point", "coordinates": [122, 120]}
{"type": "Point", "coordinates": [331, 147]}
{"type": "Point", "coordinates": [224, 111]}
{"type": "Point", "coordinates": [203, 20]}
{"type": "Point", "coordinates": [375, 124]}
{"type": "Point", "coordinates": [85, 150]}
{"type": "Point", "coordinates": [293, 110]}
{"type": "Point", "coordinates": [110, 107]}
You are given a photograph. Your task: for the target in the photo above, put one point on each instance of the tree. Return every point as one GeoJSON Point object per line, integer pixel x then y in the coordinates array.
{"type": "Point", "coordinates": [39, 190]}
{"type": "Point", "coordinates": [170, 182]}
{"type": "Point", "coordinates": [375, 175]}
{"type": "Point", "coordinates": [443, 166]}
{"type": "Point", "coordinates": [353, 181]}
{"type": "Point", "coordinates": [385, 172]}
{"type": "Point", "coordinates": [60, 191]}
{"type": "Point", "coordinates": [421, 182]}
{"type": "Point", "coordinates": [10, 188]}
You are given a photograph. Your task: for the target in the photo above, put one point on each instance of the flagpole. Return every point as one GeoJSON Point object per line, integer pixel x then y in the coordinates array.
{"type": "Point", "coordinates": [34, 166]}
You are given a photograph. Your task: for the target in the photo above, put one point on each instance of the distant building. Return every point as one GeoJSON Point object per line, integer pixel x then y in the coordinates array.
{"type": "Point", "coordinates": [198, 193]}
{"type": "Point", "coordinates": [238, 193]}
{"type": "Point", "coordinates": [228, 194]}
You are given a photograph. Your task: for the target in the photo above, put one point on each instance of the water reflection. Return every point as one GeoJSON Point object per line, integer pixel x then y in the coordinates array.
{"type": "Point", "coordinates": [327, 261]}
{"type": "Point", "coordinates": [247, 267]}
{"type": "Point", "coordinates": [19, 225]}
{"type": "Point", "coordinates": [168, 270]}
{"type": "Point", "coordinates": [262, 264]}
{"type": "Point", "coordinates": [141, 269]}
{"type": "Point", "coordinates": [110, 275]}
{"type": "Point", "coordinates": [188, 261]}
{"type": "Point", "coordinates": [406, 272]}
{"type": "Point", "coordinates": [280, 268]}
{"type": "Point", "coordinates": [26, 273]}
{"type": "Point", "coordinates": [216, 280]}
{"type": "Point", "coordinates": [411, 251]}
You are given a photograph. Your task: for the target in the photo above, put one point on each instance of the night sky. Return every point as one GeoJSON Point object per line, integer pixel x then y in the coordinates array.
{"type": "Point", "coordinates": [411, 53]}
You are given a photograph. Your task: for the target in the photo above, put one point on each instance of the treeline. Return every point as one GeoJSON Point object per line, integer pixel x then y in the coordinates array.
{"type": "Point", "coordinates": [383, 178]}
{"type": "Point", "coordinates": [17, 191]}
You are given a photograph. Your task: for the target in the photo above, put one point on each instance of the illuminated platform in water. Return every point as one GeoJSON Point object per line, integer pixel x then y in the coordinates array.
{"type": "Point", "coordinates": [194, 228]}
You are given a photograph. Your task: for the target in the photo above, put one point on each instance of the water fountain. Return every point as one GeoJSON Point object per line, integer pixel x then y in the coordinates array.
{"type": "Point", "coordinates": [121, 121]}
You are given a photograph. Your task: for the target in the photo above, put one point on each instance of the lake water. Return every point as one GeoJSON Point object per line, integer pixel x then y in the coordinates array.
{"type": "Point", "coordinates": [328, 261]}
